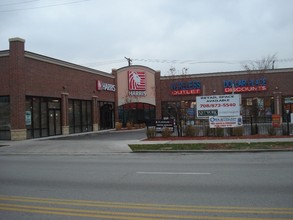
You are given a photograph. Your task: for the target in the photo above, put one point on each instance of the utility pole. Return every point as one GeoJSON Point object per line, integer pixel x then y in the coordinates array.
{"type": "Point", "coordinates": [128, 60]}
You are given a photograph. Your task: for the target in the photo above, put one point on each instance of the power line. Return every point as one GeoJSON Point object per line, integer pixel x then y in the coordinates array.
{"type": "Point", "coordinates": [44, 6]}
{"type": "Point", "coordinates": [17, 3]}
{"type": "Point", "coordinates": [171, 61]}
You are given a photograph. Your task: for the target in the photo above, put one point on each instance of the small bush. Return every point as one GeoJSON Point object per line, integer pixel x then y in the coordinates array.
{"type": "Point", "coordinates": [166, 132]}
{"type": "Point", "coordinates": [118, 125]}
{"type": "Point", "coordinates": [190, 131]}
{"type": "Point", "coordinates": [129, 125]}
{"type": "Point", "coordinates": [238, 131]}
{"type": "Point", "coordinates": [151, 132]}
{"type": "Point", "coordinates": [272, 131]}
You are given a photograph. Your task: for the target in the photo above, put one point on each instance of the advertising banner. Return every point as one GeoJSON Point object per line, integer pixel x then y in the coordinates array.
{"type": "Point", "coordinates": [218, 105]}
{"type": "Point", "coordinates": [225, 122]}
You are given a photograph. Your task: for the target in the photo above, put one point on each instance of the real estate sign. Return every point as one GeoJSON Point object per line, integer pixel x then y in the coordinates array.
{"type": "Point", "coordinates": [218, 105]}
{"type": "Point", "coordinates": [225, 122]}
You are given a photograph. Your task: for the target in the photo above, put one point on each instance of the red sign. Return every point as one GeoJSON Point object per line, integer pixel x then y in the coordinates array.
{"type": "Point", "coordinates": [276, 121]}
{"type": "Point", "coordinates": [186, 92]}
{"type": "Point", "coordinates": [246, 89]}
{"type": "Point", "coordinates": [136, 81]}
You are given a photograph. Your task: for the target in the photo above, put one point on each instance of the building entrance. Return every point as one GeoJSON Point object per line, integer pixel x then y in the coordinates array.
{"type": "Point", "coordinates": [106, 116]}
{"type": "Point", "coordinates": [54, 122]}
{"type": "Point", "coordinates": [137, 113]}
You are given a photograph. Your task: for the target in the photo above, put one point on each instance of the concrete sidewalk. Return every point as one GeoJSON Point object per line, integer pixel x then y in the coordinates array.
{"type": "Point", "coordinates": [108, 141]}
{"type": "Point", "coordinates": [61, 145]}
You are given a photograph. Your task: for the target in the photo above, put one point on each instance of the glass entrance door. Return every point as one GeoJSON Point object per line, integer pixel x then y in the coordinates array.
{"type": "Point", "coordinates": [54, 122]}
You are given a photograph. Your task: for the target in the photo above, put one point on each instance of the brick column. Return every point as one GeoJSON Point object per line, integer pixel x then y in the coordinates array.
{"type": "Point", "coordinates": [64, 110]}
{"type": "Point", "coordinates": [95, 113]}
{"type": "Point", "coordinates": [17, 88]}
{"type": "Point", "coordinates": [158, 95]}
{"type": "Point", "coordinates": [116, 116]}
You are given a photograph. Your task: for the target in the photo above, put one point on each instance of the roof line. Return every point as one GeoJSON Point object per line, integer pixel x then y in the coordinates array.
{"type": "Point", "coordinates": [66, 64]}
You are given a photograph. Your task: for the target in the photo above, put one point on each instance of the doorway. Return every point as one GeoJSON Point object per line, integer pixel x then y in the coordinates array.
{"type": "Point", "coordinates": [54, 122]}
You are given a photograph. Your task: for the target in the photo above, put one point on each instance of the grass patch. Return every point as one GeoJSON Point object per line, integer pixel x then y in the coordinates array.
{"type": "Point", "coordinates": [209, 146]}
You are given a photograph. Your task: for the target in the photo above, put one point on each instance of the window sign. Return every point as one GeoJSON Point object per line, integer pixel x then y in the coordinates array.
{"type": "Point", "coordinates": [28, 118]}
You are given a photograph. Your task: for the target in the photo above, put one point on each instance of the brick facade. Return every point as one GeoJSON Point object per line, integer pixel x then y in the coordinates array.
{"type": "Point", "coordinates": [26, 74]}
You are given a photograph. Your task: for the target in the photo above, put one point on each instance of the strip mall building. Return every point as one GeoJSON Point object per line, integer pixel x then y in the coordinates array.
{"type": "Point", "coordinates": [41, 96]}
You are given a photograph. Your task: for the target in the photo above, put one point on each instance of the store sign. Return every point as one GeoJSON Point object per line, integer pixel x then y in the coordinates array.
{"type": "Point", "coordinates": [161, 124]}
{"type": "Point", "coordinates": [240, 86]}
{"type": "Point", "coordinates": [218, 105]}
{"type": "Point", "coordinates": [105, 86]}
{"type": "Point", "coordinates": [185, 88]}
{"type": "Point", "coordinates": [137, 83]}
{"type": "Point", "coordinates": [225, 122]}
{"type": "Point", "coordinates": [276, 121]}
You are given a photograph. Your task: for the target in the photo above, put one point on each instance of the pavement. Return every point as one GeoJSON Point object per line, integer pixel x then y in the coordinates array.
{"type": "Point", "coordinates": [108, 141]}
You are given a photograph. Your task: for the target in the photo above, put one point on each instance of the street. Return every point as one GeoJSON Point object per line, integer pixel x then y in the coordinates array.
{"type": "Point", "coordinates": [147, 186]}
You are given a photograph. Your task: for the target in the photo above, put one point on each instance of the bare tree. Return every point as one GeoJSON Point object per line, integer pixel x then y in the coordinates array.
{"type": "Point", "coordinates": [264, 64]}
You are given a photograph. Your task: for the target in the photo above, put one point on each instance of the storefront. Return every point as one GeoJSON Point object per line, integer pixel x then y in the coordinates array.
{"type": "Point", "coordinates": [137, 94]}
{"type": "Point", "coordinates": [46, 97]}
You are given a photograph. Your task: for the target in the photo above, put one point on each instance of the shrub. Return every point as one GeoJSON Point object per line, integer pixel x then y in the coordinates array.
{"type": "Point", "coordinates": [118, 125]}
{"type": "Point", "coordinates": [151, 132]}
{"type": "Point", "coordinates": [166, 132]}
{"type": "Point", "coordinates": [129, 125]}
{"type": "Point", "coordinates": [219, 132]}
{"type": "Point", "coordinates": [238, 131]}
{"type": "Point", "coordinates": [272, 131]}
{"type": "Point", "coordinates": [190, 131]}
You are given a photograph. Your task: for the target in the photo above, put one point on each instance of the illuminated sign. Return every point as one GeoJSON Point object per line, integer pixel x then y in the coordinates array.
{"type": "Point", "coordinates": [239, 86]}
{"type": "Point", "coordinates": [105, 86]}
{"type": "Point", "coordinates": [185, 88]}
{"type": "Point", "coordinates": [137, 83]}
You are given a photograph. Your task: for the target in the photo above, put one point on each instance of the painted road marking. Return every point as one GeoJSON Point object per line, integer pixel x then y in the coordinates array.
{"type": "Point", "coordinates": [131, 211]}
{"type": "Point", "coordinates": [172, 173]}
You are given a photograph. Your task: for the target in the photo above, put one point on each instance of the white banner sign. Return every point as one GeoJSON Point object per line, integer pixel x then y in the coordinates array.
{"type": "Point", "coordinates": [225, 122]}
{"type": "Point", "coordinates": [218, 105]}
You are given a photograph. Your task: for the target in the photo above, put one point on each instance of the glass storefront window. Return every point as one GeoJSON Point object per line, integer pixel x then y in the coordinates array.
{"type": "Point", "coordinates": [4, 118]}
{"type": "Point", "coordinates": [42, 116]}
{"type": "Point", "coordinates": [137, 113]}
{"type": "Point", "coordinates": [80, 116]}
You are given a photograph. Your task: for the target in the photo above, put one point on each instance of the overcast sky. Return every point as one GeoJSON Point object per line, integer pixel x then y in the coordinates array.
{"type": "Point", "coordinates": [201, 35]}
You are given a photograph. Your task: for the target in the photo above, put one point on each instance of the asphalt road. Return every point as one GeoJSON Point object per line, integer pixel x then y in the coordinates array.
{"type": "Point", "coordinates": [147, 186]}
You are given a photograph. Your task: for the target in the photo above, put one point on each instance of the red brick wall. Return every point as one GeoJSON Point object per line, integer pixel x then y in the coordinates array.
{"type": "Point", "coordinates": [276, 82]}
{"type": "Point", "coordinates": [50, 80]}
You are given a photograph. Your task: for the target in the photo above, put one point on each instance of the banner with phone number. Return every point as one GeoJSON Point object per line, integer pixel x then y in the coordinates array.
{"type": "Point", "coordinates": [218, 105]}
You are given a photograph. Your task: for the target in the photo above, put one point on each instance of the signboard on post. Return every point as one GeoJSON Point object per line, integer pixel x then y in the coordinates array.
{"type": "Point", "coordinates": [225, 122]}
{"type": "Point", "coordinates": [276, 121]}
{"type": "Point", "coordinates": [218, 105]}
{"type": "Point", "coordinates": [161, 124]}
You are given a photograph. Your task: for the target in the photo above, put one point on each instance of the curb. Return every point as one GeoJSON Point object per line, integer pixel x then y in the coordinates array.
{"type": "Point", "coordinates": [215, 151]}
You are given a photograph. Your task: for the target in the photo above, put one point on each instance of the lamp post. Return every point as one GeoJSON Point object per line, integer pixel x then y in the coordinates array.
{"type": "Point", "coordinates": [288, 128]}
